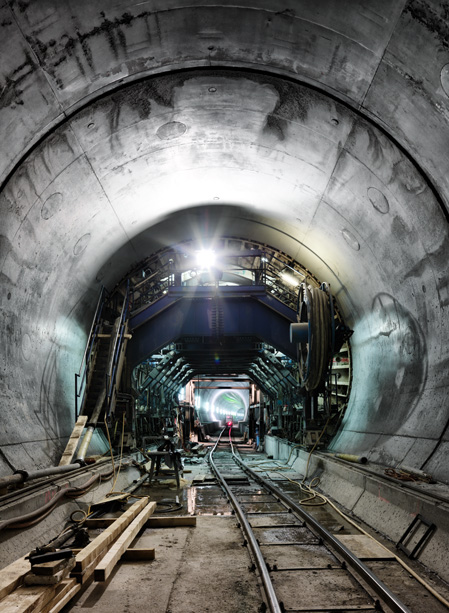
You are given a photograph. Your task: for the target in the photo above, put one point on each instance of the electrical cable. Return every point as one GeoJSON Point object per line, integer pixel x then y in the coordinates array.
{"type": "Point", "coordinates": [177, 506]}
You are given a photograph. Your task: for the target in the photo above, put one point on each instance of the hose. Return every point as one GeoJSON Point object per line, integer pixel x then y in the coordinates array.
{"type": "Point", "coordinates": [29, 519]}
{"type": "Point", "coordinates": [23, 475]}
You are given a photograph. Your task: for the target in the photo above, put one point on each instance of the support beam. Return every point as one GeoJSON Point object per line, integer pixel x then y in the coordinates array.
{"type": "Point", "coordinates": [89, 553]}
{"type": "Point", "coordinates": [72, 444]}
{"type": "Point", "coordinates": [106, 566]}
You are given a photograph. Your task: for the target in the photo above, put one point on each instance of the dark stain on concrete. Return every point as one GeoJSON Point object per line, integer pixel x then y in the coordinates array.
{"type": "Point", "coordinates": [276, 126]}
{"type": "Point", "coordinates": [54, 53]}
{"type": "Point", "coordinates": [405, 348]}
{"type": "Point", "coordinates": [436, 23]}
{"type": "Point", "coordinates": [436, 259]}
{"type": "Point", "coordinates": [87, 52]}
{"type": "Point", "coordinates": [401, 233]}
{"type": "Point", "coordinates": [12, 86]}
{"type": "Point", "coordinates": [141, 96]}
{"type": "Point", "coordinates": [23, 5]}
{"type": "Point", "coordinates": [293, 105]}
{"type": "Point", "coordinates": [138, 98]}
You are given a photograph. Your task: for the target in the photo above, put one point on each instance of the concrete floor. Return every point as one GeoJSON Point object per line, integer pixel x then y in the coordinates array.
{"type": "Point", "coordinates": [206, 568]}
{"type": "Point", "coordinates": [191, 573]}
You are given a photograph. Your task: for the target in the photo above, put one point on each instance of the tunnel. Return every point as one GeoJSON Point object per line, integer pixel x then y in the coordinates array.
{"type": "Point", "coordinates": [316, 131]}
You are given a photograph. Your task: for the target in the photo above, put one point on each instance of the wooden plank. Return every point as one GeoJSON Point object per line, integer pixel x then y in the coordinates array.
{"type": "Point", "coordinates": [12, 576]}
{"type": "Point", "coordinates": [27, 599]}
{"type": "Point", "coordinates": [72, 444]}
{"type": "Point", "coordinates": [108, 499]}
{"type": "Point", "coordinates": [49, 568]}
{"type": "Point", "coordinates": [107, 564]}
{"type": "Point", "coordinates": [171, 522]}
{"type": "Point", "coordinates": [32, 579]}
{"type": "Point", "coordinates": [99, 522]}
{"type": "Point", "coordinates": [69, 588]}
{"type": "Point", "coordinates": [89, 553]}
{"type": "Point", "coordinates": [84, 575]}
{"type": "Point", "coordinates": [364, 547]}
{"type": "Point", "coordinates": [138, 554]}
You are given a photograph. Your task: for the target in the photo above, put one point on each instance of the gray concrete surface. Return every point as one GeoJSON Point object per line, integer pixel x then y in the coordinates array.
{"type": "Point", "coordinates": [319, 128]}
{"type": "Point", "coordinates": [190, 573]}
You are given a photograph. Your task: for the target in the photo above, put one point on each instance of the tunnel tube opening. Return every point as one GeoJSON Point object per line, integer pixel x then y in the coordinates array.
{"type": "Point", "coordinates": [223, 315]}
{"type": "Point", "coordinates": [350, 203]}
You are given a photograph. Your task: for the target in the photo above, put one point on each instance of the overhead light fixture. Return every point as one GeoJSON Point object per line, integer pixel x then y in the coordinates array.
{"type": "Point", "coordinates": [205, 258]}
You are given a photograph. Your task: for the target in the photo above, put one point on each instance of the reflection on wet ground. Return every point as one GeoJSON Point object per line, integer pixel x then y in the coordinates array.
{"type": "Point", "coordinates": [202, 496]}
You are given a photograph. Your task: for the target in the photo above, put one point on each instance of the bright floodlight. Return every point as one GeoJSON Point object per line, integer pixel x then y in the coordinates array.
{"type": "Point", "coordinates": [205, 258]}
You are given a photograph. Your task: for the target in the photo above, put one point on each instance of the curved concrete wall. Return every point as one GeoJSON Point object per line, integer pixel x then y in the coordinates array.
{"type": "Point", "coordinates": [311, 128]}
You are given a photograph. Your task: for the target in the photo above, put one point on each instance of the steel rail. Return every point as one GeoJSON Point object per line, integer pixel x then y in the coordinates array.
{"type": "Point", "coordinates": [273, 602]}
{"type": "Point", "coordinates": [361, 569]}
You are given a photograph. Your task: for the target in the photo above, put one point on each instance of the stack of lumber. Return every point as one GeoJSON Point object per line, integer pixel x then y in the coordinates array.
{"type": "Point", "coordinates": [49, 573]}
{"type": "Point", "coordinates": [51, 587]}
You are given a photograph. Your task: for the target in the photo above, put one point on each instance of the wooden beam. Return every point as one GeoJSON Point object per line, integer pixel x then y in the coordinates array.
{"type": "Point", "coordinates": [133, 554]}
{"type": "Point", "coordinates": [364, 547]}
{"type": "Point", "coordinates": [107, 564]}
{"type": "Point", "coordinates": [84, 575]}
{"type": "Point", "coordinates": [72, 444]}
{"type": "Point", "coordinates": [89, 553]}
{"type": "Point", "coordinates": [153, 522]}
{"type": "Point", "coordinates": [28, 599]}
{"type": "Point", "coordinates": [12, 576]}
{"type": "Point", "coordinates": [54, 579]}
{"type": "Point", "coordinates": [49, 568]}
{"type": "Point", "coordinates": [171, 522]}
{"type": "Point", "coordinates": [67, 590]}
{"type": "Point", "coordinates": [99, 522]}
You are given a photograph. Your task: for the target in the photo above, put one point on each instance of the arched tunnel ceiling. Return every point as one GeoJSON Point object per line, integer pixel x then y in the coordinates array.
{"type": "Point", "coordinates": [315, 130]}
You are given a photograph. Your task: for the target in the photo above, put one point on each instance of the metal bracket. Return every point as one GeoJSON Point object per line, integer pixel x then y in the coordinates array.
{"type": "Point", "coordinates": [413, 554]}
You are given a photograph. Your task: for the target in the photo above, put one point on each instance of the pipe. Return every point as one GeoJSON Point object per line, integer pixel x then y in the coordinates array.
{"type": "Point", "coordinates": [85, 443]}
{"type": "Point", "coordinates": [352, 458]}
{"type": "Point", "coordinates": [23, 475]}
{"type": "Point", "coordinates": [23, 521]}
{"type": "Point", "coordinates": [415, 471]}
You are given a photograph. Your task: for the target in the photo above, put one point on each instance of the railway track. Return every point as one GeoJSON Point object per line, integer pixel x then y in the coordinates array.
{"type": "Point", "coordinates": [301, 565]}
{"type": "Point", "coordinates": [293, 560]}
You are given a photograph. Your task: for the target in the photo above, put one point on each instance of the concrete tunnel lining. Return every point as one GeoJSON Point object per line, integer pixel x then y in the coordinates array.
{"type": "Point", "coordinates": [349, 204]}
